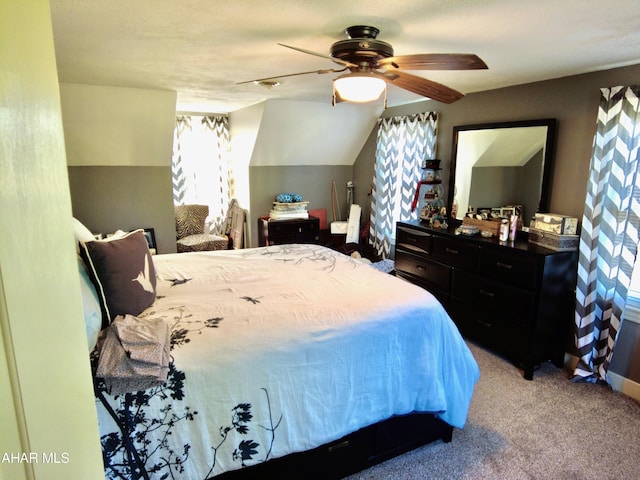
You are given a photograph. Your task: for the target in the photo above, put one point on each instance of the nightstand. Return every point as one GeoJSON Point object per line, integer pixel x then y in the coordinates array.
{"type": "Point", "coordinates": [276, 232]}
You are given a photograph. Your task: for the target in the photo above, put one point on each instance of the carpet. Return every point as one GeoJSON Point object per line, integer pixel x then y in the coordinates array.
{"type": "Point", "coordinates": [546, 429]}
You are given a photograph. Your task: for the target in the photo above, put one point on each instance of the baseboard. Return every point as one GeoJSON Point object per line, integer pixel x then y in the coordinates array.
{"type": "Point", "coordinates": [617, 382]}
{"type": "Point", "coordinates": [624, 385]}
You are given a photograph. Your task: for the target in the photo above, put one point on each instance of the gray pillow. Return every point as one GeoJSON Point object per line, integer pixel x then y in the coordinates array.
{"type": "Point", "coordinates": [123, 273]}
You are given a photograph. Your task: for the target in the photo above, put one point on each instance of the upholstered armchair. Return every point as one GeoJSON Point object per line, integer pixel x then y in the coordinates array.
{"type": "Point", "coordinates": [190, 230]}
{"type": "Point", "coordinates": [193, 233]}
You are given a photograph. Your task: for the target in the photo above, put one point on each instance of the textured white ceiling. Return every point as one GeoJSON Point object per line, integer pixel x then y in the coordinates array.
{"type": "Point", "coordinates": [202, 48]}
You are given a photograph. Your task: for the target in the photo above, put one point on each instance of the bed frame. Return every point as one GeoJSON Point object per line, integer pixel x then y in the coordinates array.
{"type": "Point", "coordinates": [352, 453]}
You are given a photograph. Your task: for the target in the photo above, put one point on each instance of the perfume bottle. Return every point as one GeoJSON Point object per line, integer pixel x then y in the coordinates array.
{"type": "Point", "coordinates": [504, 230]}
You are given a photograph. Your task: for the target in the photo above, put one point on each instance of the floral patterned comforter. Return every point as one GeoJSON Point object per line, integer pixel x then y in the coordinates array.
{"type": "Point", "coordinates": [276, 350]}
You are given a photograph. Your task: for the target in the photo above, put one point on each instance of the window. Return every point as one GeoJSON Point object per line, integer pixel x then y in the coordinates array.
{"type": "Point", "coordinates": [201, 165]}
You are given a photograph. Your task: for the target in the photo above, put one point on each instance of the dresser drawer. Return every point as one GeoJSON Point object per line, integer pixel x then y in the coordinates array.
{"type": "Point", "coordinates": [514, 269]}
{"type": "Point", "coordinates": [414, 240]}
{"type": "Point", "coordinates": [293, 228]}
{"type": "Point", "coordinates": [441, 295]}
{"type": "Point", "coordinates": [492, 330]}
{"type": "Point", "coordinates": [500, 298]}
{"type": "Point", "coordinates": [434, 273]}
{"type": "Point", "coordinates": [455, 253]}
{"type": "Point", "coordinates": [276, 232]}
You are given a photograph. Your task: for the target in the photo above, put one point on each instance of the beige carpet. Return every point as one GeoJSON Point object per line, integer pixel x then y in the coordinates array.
{"type": "Point", "coordinates": [545, 429]}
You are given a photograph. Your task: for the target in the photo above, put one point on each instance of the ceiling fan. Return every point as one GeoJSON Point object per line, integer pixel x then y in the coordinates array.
{"type": "Point", "coordinates": [371, 61]}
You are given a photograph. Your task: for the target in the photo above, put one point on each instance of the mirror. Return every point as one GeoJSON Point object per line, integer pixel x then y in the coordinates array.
{"type": "Point", "coordinates": [497, 165]}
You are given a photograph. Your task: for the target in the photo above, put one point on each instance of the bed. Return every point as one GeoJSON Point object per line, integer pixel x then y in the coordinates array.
{"type": "Point", "coordinates": [290, 360]}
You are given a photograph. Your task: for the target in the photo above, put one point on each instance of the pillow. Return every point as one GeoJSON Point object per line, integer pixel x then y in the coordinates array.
{"type": "Point", "coordinates": [190, 219]}
{"type": "Point", "coordinates": [81, 233]}
{"type": "Point", "coordinates": [90, 306]}
{"type": "Point", "coordinates": [123, 273]}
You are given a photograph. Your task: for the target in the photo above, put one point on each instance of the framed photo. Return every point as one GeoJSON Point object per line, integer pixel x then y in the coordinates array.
{"type": "Point", "coordinates": [506, 212]}
{"type": "Point", "coordinates": [150, 235]}
{"type": "Point", "coordinates": [485, 212]}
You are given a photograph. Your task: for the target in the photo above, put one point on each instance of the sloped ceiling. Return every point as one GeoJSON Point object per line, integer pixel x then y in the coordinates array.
{"type": "Point", "coordinates": [202, 48]}
{"type": "Point", "coordinates": [310, 133]}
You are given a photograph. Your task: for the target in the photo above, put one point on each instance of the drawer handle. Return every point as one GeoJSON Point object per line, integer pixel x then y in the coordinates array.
{"type": "Point", "coordinates": [506, 266]}
{"type": "Point", "coordinates": [484, 324]}
{"type": "Point", "coordinates": [420, 267]}
{"type": "Point", "coordinates": [487, 293]}
{"type": "Point", "coordinates": [451, 250]}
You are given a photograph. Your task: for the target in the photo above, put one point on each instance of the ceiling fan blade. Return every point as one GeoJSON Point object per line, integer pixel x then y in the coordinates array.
{"type": "Point", "coordinates": [328, 70]}
{"type": "Point", "coordinates": [322, 55]}
{"type": "Point", "coordinates": [435, 61]}
{"type": "Point", "coordinates": [421, 86]}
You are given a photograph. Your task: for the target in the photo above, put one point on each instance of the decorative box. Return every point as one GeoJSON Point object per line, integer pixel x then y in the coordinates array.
{"type": "Point", "coordinates": [555, 223]}
{"type": "Point", "coordinates": [553, 241]}
{"type": "Point", "coordinates": [492, 226]}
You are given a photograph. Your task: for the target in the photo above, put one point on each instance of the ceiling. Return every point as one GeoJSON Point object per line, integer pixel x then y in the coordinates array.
{"type": "Point", "coordinates": [203, 48]}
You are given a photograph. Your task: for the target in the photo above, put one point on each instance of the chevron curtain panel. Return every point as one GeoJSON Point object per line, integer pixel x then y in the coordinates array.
{"type": "Point", "coordinates": [402, 143]}
{"type": "Point", "coordinates": [183, 124]}
{"type": "Point", "coordinates": [610, 229]}
{"type": "Point", "coordinates": [201, 167]}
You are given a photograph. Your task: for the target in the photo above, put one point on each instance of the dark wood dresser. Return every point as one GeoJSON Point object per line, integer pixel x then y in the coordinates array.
{"type": "Point", "coordinates": [277, 232]}
{"type": "Point", "coordinates": [515, 298]}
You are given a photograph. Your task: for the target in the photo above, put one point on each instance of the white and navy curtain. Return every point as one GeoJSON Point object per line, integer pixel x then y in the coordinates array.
{"type": "Point", "coordinates": [610, 229]}
{"type": "Point", "coordinates": [403, 143]}
{"type": "Point", "coordinates": [201, 167]}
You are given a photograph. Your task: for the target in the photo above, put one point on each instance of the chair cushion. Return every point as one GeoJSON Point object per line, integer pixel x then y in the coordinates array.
{"type": "Point", "coordinates": [190, 219]}
{"type": "Point", "coordinates": [202, 242]}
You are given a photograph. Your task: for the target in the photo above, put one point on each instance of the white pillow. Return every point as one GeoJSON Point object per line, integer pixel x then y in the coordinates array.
{"type": "Point", "coordinates": [90, 306]}
{"type": "Point", "coordinates": [81, 233]}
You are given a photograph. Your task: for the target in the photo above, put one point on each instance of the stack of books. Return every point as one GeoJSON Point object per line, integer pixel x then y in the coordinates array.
{"type": "Point", "coordinates": [289, 211]}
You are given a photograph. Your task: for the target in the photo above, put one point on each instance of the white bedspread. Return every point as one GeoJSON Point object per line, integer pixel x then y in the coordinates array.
{"type": "Point", "coordinates": [282, 349]}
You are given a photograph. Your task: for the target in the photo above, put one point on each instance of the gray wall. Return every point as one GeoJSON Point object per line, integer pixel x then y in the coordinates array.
{"type": "Point", "coordinates": [106, 199]}
{"type": "Point", "coordinates": [312, 182]}
{"type": "Point", "coordinates": [573, 101]}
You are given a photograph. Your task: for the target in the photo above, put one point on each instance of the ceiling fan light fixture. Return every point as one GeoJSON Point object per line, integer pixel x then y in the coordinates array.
{"type": "Point", "coordinates": [359, 87]}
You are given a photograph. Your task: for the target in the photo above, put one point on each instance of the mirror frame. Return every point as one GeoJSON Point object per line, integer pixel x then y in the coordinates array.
{"type": "Point", "coordinates": [545, 190]}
